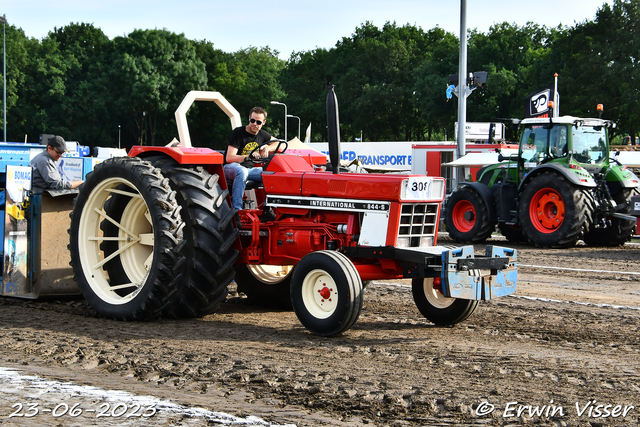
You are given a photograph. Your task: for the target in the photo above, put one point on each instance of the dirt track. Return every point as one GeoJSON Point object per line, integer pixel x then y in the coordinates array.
{"type": "Point", "coordinates": [550, 347]}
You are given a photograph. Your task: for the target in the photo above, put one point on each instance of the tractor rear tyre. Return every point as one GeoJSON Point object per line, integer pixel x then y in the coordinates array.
{"type": "Point", "coordinates": [266, 285]}
{"type": "Point", "coordinates": [146, 232]}
{"type": "Point", "coordinates": [326, 292]}
{"type": "Point", "coordinates": [437, 308]}
{"type": "Point", "coordinates": [466, 216]}
{"type": "Point", "coordinates": [553, 212]}
{"type": "Point", "coordinates": [512, 233]}
{"type": "Point", "coordinates": [208, 247]}
{"type": "Point", "coordinates": [620, 230]}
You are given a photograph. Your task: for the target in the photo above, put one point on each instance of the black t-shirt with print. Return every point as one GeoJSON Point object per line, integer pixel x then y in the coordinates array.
{"type": "Point", "coordinates": [245, 142]}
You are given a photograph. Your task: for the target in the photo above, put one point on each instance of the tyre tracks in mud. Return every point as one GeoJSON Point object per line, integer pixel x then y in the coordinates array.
{"type": "Point", "coordinates": [551, 346]}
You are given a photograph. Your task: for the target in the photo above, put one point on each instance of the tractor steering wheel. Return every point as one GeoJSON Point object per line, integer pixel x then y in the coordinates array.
{"type": "Point", "coordinates": [266, 160]}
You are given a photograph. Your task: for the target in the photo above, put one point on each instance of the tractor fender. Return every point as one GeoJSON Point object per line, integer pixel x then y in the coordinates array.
{"type": "Point", "coordinates": [209, 159]}
{"type": "Point", "coordinates": [584, 181]}
{"type": "Point", "coordinates": [487, 196]}
{"type": "Point", "coordinates": [619, 177]}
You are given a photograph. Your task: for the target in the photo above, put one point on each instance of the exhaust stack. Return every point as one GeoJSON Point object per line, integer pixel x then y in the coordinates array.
{"type": "Point", "coordinates": [333, 127]}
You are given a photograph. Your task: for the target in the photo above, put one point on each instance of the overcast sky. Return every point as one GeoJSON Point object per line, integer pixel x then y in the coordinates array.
{"type": "Point", "coordinates": [284, 25]}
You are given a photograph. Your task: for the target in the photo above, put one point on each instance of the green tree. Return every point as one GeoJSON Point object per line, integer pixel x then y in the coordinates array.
{"type": "Point", "coordinates": [257, 84]}
{"type": "Point", "coordinates": [431, 82]}
{"type": "Point", "coordinates": [617, 32]}
{"type": "Point", "coordinates": [246, 78]}
{"type": "Point", "coordinates": [82, 113]}
{"type": "Point", "coordinates": [18, 57]}
{"type": "Point", "coordinates": [510, 54]}
{"type": "Point", "coordinates": [374, 72]}
{"type": "Point", "coordinates": [303, 79]}
{"type": "Point", "coordinates": [152, 71]}
{"type": "Point", "coordinates": [44, 87]}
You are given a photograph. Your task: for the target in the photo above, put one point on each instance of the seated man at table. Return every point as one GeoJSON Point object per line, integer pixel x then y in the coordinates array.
{"type": "Point", "coordinates": [45, 171]}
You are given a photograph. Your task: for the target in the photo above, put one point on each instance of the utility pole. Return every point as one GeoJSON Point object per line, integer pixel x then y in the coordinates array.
{"type": "Point", "coordinates": [463, 91]}
{"type": "Point", "coordinates": [3, 19]}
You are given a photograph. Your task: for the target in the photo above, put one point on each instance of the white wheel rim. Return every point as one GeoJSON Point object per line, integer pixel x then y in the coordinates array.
{"type": "Point", "coordinates": [135, 242]}
{"type": "Point", "coordinates": [270, 274]}
{"type": "Point", "coordinates": [319, 294]}
{"type": "Point", "coordinates": [434, 295]}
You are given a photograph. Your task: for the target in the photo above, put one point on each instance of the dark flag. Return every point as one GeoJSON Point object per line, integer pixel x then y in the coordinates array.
{"type": "Point", "coordinates": [537, 103]}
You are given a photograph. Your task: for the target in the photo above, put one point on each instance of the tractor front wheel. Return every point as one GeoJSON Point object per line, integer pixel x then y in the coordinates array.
{"type": "Point", "coordinates": [437, 308]}
{"type": "Point", "coordinates": [466, 216]}
{"type": "Point", "coordinates": [133, 278]}
{"type": "Point", "coordinates": [326, 292]}
{"type": "Point", "coordinates": [553, 212]}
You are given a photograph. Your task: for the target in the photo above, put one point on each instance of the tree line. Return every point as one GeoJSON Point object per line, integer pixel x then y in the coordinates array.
{"type": "Point", "coordinates": [390, 81]}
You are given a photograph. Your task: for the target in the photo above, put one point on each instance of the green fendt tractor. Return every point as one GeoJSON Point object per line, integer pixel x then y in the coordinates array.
{"type": "Point", "coordinates": [561, 187]}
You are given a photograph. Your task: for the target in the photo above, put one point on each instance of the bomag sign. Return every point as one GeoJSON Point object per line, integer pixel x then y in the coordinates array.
{"type": "Point", "coordinates": [20, 175]}
{"type": "Point", "coordinates": [18, 181]}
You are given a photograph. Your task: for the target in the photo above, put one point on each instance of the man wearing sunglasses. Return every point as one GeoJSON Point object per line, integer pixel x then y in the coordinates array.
{"type": "Point", "coordinates": [45, 174]}
{"type": "Point", "coordinates": [245, 143]}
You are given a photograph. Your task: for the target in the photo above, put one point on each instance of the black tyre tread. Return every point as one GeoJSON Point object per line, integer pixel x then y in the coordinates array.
{"type": "Point", "coordinates": [353, 308]}
{"type": "Point", "coordinates": [272, 295]}
{"type": "Point", "coordinates": [483, 227]}
{"type": "Point", "coordinates": [159, 288]}
{"type": "Point", "coordinates": [209, 239]}
{"type": "Point", "coordinates": [577, 212]}
{"type": "Point", "coordinates": [457, 312]}
{"type": "Point", "coordinates": [620, 230]}
{"type": "Point", "coordinates": [356, 290]}
{"type": "Point", "coordinates": [512, 233]}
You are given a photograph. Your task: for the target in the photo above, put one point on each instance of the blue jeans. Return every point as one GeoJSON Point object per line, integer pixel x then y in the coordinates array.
{"type": "Point", "coordinates": [239, 175]}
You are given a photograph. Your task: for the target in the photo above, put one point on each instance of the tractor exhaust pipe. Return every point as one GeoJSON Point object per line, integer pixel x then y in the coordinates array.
{"type": "Point", "coordinates": [333, 127]}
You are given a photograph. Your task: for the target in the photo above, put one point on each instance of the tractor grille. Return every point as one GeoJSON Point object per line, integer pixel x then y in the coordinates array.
{"type": "Point", "coordinates": [418, 223]}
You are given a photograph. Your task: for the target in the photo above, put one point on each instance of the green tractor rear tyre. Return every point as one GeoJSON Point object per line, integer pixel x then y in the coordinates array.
{"type": "Point", "coordinates": [619, 230]}
{"type": "Point", "coordinates": [553, 212]}
{"type": "Point", "coordinates": [513, 233]}
{"type": "Point", "coordinates": [466, 217]}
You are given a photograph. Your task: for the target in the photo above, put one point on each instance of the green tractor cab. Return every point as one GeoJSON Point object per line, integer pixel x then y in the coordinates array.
{"type": "Point", "coordinates": [561, 187]}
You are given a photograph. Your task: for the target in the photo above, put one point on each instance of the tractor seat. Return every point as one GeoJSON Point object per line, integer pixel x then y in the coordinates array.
{"type": "Point", "coordinates": [251, 184]}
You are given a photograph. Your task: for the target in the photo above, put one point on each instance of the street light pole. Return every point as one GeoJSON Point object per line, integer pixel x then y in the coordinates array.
{"type": "Point", "coordinates": [285, 117]}
{"type": "Point", "coordinates": [118, 136]}
{"type": "Point", "coordinates": [296, 117]}
{"type": "Point", "coordinates": [3, 19]}
{"type": "Point", "coordinates": [463, 90]}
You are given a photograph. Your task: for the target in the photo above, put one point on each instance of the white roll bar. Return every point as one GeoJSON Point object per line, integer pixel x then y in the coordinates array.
{"type": "Point", "coordinates": [200, 95]}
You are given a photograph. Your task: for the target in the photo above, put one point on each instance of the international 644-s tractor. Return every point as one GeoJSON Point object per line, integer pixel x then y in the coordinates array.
{"type": "Point", "coordinates": [153, 234]}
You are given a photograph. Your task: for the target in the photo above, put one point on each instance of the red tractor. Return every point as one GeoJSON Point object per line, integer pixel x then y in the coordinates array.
{"type": "Point", "coordinates": [153, 234]}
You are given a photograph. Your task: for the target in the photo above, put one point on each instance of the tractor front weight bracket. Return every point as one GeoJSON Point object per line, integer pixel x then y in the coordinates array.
{"type": "Point", "coordinates": [484, 278]}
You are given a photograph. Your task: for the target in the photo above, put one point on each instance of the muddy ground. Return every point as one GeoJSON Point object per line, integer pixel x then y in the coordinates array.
{"type": "Point", "coordinates": [568, 338]}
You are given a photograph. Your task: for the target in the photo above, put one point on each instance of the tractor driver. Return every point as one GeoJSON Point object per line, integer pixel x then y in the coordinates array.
{"type": "Point", "coordinates": [242, 143]}
{"type": "Point", "coordinates": [45, 171]}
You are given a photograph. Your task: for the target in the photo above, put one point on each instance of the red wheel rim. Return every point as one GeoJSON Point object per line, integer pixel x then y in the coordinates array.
{"type": "Point", "coordinates": [464, 216]}
{"type": "Point", "coordinates": [547, 210]}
